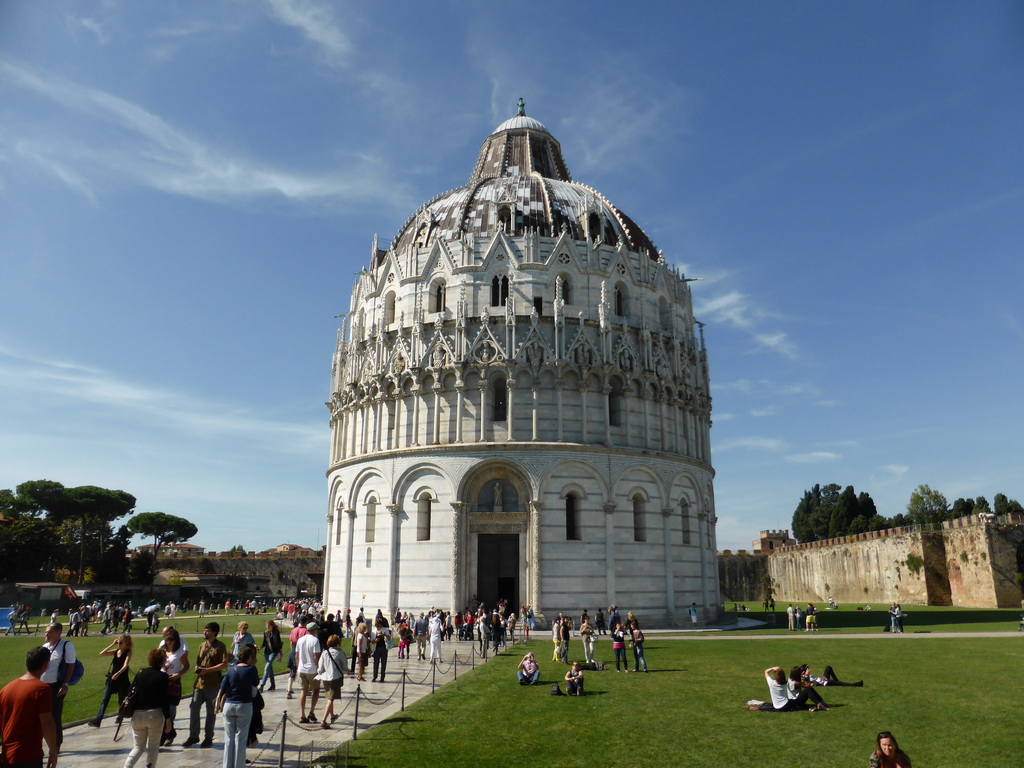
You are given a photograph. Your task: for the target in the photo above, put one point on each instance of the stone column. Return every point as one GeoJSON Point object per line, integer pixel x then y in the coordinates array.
{"type": "Point", "coordinates": [350, 515]}
{"type": "Point", "coordinates": [380, 428]}
{"type": "Point", "coordinates": [606, 392]}
{"type": "Point", "coordinates": [702, 518]}
{"type": "Point", "coordinates": [328, 556]}
{"type": "Point", "coordinates": [417, 394]}
{"type": "Point", "coordinates": [510, 411]}
{"type": "Point", "coordinates": [559, 386]}
{"type": "Point", "coordinates": [353, 420]}
{"type": "Point", "coordinates": [584, 388]}
{"type": "Point", "coordinates": [458, 554]}
{"type": "Point", "coordinates": [460, 394]}
{"type": "Point", "coordinates": [609, 552]}
{"type": "Point", "coordinates": [663, 434]}
{"type": "Point", "coordinates": [534, 594]}
{"type": "Point", "coordinates": [396, 441]}
{"type": "Point", "coordinates": [393, 555]}
{"type": "Point", "coordinates": [627, 408]}
{"type": "Point", "coordinates": [438, 389]}
{"type": "Point", "coordinates": [482, 416]}
{"type": "Point", "coordinates": [533, 418]}
{"type": "Point", "coordinates": [645, 398]}
{"type": "Point", "coordinates": [670, 588]}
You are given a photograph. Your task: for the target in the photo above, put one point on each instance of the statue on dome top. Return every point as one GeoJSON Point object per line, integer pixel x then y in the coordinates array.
{"type": "Point", "coordinates": [522, 108]}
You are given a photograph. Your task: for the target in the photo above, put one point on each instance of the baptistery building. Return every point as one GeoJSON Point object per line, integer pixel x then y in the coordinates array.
{"type": "Point", "coordinates": [520, 406]}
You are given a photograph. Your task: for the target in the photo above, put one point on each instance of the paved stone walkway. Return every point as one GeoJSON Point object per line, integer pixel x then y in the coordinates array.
{"type": "Point", "coordinates": [87, 747]}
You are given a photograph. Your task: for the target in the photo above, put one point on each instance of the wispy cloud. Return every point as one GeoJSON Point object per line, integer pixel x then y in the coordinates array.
{"type": "Point", "coordinates": [92, 25]}
{"type": "Point", "coordinates": [765, 387]}
{"type": "Point", "coordinates": [893, 471]}
{"type": "Point", "coordinates": [736, 309]}
{"type": "Point", "coordinates": [145, 149]}
{"type": "Point", "coordinates": [317, 23]}
{"type": "Point", "coordinates": [761, 412]}
{"type": "Point", "coordinates": [44, 384]}
{"type": "Point", "coordinates": [814, 457]}
{"type": "Point", "coordinates": [765, 444]}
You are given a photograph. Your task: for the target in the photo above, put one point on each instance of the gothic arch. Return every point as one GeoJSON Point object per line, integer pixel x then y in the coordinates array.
{"type": "Point", "coordinates": [497, 469]}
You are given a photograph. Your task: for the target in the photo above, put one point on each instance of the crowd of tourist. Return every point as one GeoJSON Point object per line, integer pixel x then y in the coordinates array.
{"type": "Point", "coordinates": [228, 682]}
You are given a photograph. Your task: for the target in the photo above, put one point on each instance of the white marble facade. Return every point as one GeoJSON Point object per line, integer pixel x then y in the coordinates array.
{"type": "Point", "coordinates": [520, 407]}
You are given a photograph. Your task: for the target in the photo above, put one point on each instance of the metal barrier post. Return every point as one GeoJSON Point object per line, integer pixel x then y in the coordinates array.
{"type": "Point", "coordinates": [455, 665]}
{"type": "Point", "coordinates": [472, 657]}
{"type": "Point", "coordinates": [284, 725]}
{"type": "Point", "coordinates": [355, 722]}
{"type": "Point", "coordinates": [404, 673]}
{"type": "Point", "coordinates": [433, 673]}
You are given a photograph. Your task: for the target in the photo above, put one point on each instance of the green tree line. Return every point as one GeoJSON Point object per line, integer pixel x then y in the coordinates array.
{"type": "Point", "coordinates": [830, 511]}
{"type": "Point", "coordinates": [53, 533]}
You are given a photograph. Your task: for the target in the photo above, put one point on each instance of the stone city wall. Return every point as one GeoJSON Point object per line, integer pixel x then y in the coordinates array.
{"type": "Point", "coordinates": [741, 576]}
{"type": "Point", "coordinates": [972, 561]}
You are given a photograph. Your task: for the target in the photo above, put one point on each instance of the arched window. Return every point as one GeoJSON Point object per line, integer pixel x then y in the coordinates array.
{"type": "Point", "coordinates": [499, 291]}
{"type": "Point", "coordinates": [572, 531]}
{"type": "Point", "coordinates": [639, 522]}
{"type": "Point", "coordinates": [438, 296]}
{"type": "Point", "coordinates": [565, 288]}
{"type": "Point", "coordinates": [371, 519]}
{"type": "Point", "coordinates": [594, 225]}
{"type": "Point", "coordinates": [615, 405]}
{"type": "Point", "coordinates": [505, 219]}
{"type": "Point", "coordinates": [421, 235]}
{"type": "Point", "coordinates": [369, 556]}
{"type": "Point", "coordinates": [389, 308]}
{"type": "Point", "coordinates": [423, 517]}
{"type": "Point", "coordinates": [499, 400]}
{"type": "Point", "coordinates": [620, 301]}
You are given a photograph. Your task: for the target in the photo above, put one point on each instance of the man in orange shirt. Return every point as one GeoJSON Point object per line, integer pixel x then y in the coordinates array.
{"type": "Point", "coordinates": [26, 716]}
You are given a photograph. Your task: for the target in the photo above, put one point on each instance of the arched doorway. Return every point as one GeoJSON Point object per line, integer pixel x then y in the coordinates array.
{"type": "Point", "coordinates": [496, 533]}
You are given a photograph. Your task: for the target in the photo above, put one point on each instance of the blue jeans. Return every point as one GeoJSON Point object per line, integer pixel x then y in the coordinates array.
{"type": "Point", "coordinates": [237, 717]}
{"type": "Point", "coordinates": [638, 658]}
{"type": "Point", "coordinates": [112, 687]}
{"type": "Point", "coordinates": [534, 678]}
{"type": "Point", "coordinates": [268, 670]}
{"type": "Point", "coordinates": [620, 653]}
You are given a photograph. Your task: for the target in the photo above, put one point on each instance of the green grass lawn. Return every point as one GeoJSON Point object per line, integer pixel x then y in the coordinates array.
{"type": "Point", "coordinates": [917, 618]}
{"type": "Point", "coordinates": [951, 702]}
{"type": "Point", "coordinates": [83, 699]}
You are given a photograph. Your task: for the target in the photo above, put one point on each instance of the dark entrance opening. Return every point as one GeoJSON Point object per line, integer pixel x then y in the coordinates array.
{"type": "Point", "coordinates": [497, 573]}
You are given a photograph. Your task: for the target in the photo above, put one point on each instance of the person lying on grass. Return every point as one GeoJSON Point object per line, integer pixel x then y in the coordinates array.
{"type": "Point", "coordinates": [787, 698]}
{"type": "Point", "coordinates": [828, 677]}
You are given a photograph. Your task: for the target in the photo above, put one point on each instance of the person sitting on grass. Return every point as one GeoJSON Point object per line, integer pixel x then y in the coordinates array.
{"type": "Point", "coordinates": [828, 677]}
{"type": "Point", "coordinates": [529, 671]}
{"type": "Point", "coordinates": [888, 753]}
{"type": "Point", "coordinates": [574, 680]}
{"type": "Point", "coordinates": [780, 692]}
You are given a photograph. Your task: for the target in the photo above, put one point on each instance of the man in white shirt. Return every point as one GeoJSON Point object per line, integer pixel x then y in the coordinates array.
{"type": "Point", "coordinates": [60, 651]}
{"type": "Point", "coordinates": [307, 660]}
{"type": "Point", "coordinates": [434, 631]}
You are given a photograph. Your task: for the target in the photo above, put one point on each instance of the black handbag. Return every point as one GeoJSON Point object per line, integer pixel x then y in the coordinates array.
{"type": "Point", "coordinates": [127, 707]}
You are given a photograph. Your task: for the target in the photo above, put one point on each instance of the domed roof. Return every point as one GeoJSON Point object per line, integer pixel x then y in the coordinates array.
{"type": "Point", "coordinates": [521, 182]}
{"type": "Point", "coordinates": [520, 121]}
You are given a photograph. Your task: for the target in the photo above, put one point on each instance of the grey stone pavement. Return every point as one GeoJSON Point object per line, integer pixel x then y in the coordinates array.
{"type": "Point", "coordinates": [87, 747]}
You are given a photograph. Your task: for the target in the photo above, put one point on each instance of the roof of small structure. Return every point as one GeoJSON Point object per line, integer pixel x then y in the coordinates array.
{"type": "Point", "coordinates": [520, 169]}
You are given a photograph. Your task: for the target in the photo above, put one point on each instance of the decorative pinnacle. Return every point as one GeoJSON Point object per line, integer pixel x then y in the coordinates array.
{"type": "Point", "coordinates": [522, 107]}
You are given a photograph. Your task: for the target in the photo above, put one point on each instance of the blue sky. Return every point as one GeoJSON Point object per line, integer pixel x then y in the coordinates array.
{"type": "Point", "coordinates": [187, 189]}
